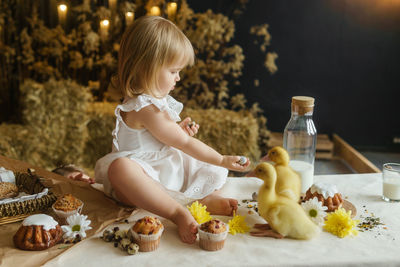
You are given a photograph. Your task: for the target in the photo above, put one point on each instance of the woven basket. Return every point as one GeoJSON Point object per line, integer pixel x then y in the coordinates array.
{"type": "Point", "coordinates": [17, 211]}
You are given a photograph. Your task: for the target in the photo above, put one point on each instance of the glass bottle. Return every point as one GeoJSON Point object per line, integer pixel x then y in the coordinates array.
{"type": "Point", "coordinates": [300, 139]}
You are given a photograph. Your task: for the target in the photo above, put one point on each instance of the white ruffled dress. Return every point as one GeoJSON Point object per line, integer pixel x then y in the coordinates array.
{"type": "Point", "coordinates": [184, 177]}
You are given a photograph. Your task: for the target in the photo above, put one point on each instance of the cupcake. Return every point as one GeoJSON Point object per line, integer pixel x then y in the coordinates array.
{"type": "Point", "coordinates": [146, 232]}
{"type": "Point", "coordinates": [212, 235]}
{"type": "Point", "coordinates": [66, 206]}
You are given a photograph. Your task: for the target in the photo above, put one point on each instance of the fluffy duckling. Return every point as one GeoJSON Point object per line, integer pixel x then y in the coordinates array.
{"type": "Point", "coordinates": [285, 216]}
{"type": "Point", "coordinates": [288, 182]}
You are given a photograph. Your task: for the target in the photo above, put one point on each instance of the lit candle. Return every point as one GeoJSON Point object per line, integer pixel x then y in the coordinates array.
{"type": "Point", "coordinates": [112, 4]}
{"type": "Point", "coordinates": [129, 17]}
{"type": "Point", "coordinates": [104, 25]}
{"type": "Point", "coordinates": [171, 9]}
{"type": "Point", "coordinates": [155, 11]}
{"type": "Point", "coordinates": [62, 13]}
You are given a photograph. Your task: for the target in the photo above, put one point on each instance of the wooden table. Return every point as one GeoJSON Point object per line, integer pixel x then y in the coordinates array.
{"type": "Point", "coordinates": [377, 247]}
{"type": "Point", "coordinates": [101, 210]}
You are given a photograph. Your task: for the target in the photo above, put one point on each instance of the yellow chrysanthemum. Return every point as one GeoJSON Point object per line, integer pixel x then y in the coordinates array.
{"type": "Point", "coordinates": [237, 225]}
{"type": "Point", "coordinates": [199, 212]}
{"type": "Point", "coordinates": [340, 223]}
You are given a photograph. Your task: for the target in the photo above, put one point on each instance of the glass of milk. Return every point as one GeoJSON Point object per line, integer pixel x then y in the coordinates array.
{"type": "Point", "coordinates": [306, 172]}
{"type": "Point", "coordinates": [391, 182]}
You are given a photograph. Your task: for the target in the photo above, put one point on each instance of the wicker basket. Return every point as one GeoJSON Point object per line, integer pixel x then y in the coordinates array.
{"type": "Point", "coordinates": [29, 183]}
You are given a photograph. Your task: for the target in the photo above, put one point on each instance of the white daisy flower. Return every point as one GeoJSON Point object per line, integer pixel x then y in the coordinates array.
{"type": "Point", "coordinates": [315, 210]}
{"type": "Point", "coordinates": [77, 225]}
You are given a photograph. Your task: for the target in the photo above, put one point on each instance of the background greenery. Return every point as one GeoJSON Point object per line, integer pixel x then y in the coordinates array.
{"type": "Point", "coordinates": [56, 100]}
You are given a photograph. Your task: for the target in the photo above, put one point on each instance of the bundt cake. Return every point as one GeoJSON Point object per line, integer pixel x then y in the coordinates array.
{"type": "Point", "coordinates": [38, 232]}
{"type": "Point", "coordinates": [325, 193]}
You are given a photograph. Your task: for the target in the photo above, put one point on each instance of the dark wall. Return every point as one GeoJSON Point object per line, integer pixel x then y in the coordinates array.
{"type": "Point", "coordinates": [345, 53]}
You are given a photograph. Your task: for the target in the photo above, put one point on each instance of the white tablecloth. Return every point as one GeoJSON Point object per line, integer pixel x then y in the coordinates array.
{"type": "Point", "coordinates": [377, 247]}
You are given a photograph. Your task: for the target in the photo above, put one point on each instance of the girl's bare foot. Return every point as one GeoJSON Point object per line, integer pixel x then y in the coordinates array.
{"type": "Point", "coordinates": [187, 226]}
{"type": "Point", "coordinates": [218, 205]}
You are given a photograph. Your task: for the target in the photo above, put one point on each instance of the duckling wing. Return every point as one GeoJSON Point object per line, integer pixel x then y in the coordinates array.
{"type": "Point", "coordinates": [288, 183]}
{"type": "Point", "coordinates": [289, 219]}
{"type": "Point", "coordinates": [289, 193]}
{"type": "Point", "coordinates": [280, 219]}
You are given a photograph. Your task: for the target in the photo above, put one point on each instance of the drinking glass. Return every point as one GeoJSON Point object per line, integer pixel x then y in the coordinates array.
{"type": "Point", "coordinates": [391, 182]}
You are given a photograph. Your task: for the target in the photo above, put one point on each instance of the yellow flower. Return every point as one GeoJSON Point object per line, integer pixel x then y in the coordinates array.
{"type": "Point", "coordinates": [340, 223]}
{"type": "Point", "coordinates": [238, 225]}
{"type": "Point", "coordinates": [199, 212]}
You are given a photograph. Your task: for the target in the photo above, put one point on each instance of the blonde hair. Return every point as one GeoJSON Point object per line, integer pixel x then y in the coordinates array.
{"type": "Point", "coordinates": [150, 44]}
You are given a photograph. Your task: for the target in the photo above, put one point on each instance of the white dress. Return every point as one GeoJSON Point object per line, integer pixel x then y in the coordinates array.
{"type": "Point", "coordinates": [184, 177]}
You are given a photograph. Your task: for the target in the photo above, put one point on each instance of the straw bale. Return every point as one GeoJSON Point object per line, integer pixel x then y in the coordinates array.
{"type": "Point", "coordinates": [100, 126]}
{"type": "Point", "coordinates": [229, 132]}
{"type": "Point", "coordinates": [19, 142]}
{"type": "Point", "coordinates": [56, 111]}
{"type": "Point", "coordinates": [8, 145]}
{"type": "Point", "coordinates": [61, 125]}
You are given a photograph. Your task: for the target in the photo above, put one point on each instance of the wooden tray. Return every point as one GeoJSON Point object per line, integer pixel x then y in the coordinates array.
{"type": "Point", "coordinates": [347, 205]}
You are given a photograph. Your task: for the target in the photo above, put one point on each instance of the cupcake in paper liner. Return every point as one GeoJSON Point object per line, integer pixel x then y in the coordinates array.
{"type": "Point", "coordinates": [212, 235]}
{"type": "Point", "coordinates": [146, 232]}
{"type": "Point", "coordinates": [66, 206]}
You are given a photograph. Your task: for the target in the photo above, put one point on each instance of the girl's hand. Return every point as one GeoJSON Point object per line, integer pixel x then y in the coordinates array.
{"type": "Point", "coordinates": [233, 163]}
{"type": "Point", "coordinates": [79, 176]}
{"type": "Point", "coordinates": [189, 126]}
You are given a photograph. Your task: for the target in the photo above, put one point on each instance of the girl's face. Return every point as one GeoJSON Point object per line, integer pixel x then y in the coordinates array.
{"type": "Point", "coordinates": [168, 77]}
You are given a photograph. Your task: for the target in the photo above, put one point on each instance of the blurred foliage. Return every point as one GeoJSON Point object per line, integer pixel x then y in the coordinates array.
{"type": "Point", "coordinates": [34, 45]}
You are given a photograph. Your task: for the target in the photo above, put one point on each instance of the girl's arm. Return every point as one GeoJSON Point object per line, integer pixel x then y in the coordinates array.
{"type": "Point", "coordinates": [170, 133]}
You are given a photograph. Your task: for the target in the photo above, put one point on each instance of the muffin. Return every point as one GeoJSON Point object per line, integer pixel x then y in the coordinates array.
{"type": "Point", "coordinates": [212, 235]}
{"type": "Point", "coordinates": [325, 193]}
{"type": "Point", "coordinates": [146, 232]}
{"type": "Point", "coordinates": [66, 206]}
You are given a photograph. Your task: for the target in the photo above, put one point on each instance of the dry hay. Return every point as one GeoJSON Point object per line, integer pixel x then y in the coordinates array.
{"type": "Point", "coordinates": [12, 142]}
{"type": "Point", "coordinates": [62, 126]}
{"type": "Point", "coordinates": [100, 126]}
{"type": "Point", "coordinates": [229, 132]}
{"type": "Point", "coordinates": [56, 113]}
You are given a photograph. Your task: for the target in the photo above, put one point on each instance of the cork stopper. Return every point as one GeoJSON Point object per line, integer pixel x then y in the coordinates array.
{"type": "Point", "coordinates": [302, 104]}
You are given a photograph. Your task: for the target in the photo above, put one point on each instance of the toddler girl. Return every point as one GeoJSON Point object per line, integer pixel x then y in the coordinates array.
{"type": "Point", "coordinates": [155, 162]}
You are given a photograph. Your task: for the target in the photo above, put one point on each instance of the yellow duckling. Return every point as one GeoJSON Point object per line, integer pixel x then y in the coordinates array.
{"type": "Point", "coordinates": [288, 183]}
{"type": "Point", "coordinates": [285, 216]}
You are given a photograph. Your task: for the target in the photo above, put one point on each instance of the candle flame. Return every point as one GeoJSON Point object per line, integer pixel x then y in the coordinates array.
{"type": "Point", "coordinates": [129, 14]}
{"type": "Point", "coordinates": [62, 7]}
{"type": "Point", "coordinates": [155, 11]}
{"type": "Point", "coordinates": [105, 22]}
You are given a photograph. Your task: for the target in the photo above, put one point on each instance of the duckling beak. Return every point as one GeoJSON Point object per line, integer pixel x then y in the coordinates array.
{"type": "Point", "coordinates": [251, 173]}
{"type": "Point", "coordinates": [265, 158]}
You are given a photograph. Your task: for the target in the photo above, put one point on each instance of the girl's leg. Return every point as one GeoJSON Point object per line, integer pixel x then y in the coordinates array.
{"type": "Point", "coordinates": [218, 205]}
{"type": "Point", "coordinates": [133, 187]}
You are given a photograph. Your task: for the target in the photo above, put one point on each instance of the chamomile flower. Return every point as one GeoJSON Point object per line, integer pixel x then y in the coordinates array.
{"type": "Point", "coordinates": [77, 225]}
{"type": "Point", "coordinates": [315, 210]}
